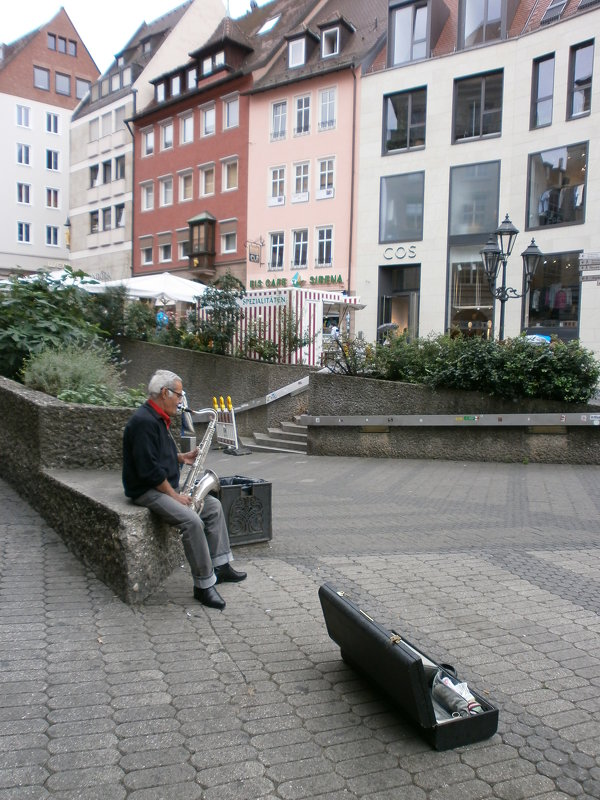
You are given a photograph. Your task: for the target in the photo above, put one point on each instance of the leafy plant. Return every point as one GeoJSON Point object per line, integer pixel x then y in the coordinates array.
{"type": "Point", "coordinates": [257, 342]}
{"type": "Point", "coordinates": [352, 357]}
{"type": "Point", "coordinates": [222, 312]}
{"type": "Point", "coordinates": [77, 374]}
{"type": "Point", "coordinates": [108, 310]}
{"type": "Point", "coordinates": [41, 312]}
{"type": "Point", "coordinates": [139, 321]}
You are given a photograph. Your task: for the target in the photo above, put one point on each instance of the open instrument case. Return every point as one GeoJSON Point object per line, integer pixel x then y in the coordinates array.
{"type": "Point", "coordinates": [403, 672]}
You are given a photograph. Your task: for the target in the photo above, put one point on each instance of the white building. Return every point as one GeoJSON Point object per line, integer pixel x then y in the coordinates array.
{"type": "Point", "coordinates": [101, 215]}
{"type": "Point", "coordinates": [482, 110]}
{"type": "Point", "coordinates": [42, 77]}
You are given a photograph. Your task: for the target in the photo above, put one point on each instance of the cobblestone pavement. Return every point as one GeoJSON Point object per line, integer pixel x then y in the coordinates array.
{"type": "Point", "coordinates": [492, 567]}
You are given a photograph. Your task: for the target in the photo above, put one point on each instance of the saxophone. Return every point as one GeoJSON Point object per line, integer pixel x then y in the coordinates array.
{"type": "Point", "coordinates": [199, 481]}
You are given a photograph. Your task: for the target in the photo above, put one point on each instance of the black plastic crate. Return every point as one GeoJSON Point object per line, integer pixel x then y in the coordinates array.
{"type": "Point", "coordinates": [247, 507]}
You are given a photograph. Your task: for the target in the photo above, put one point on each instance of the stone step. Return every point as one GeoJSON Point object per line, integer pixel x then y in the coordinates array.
{"type": "Point", "coordinates": [294, 427]}
{"type": "Point", "coordinates": [298, 435]}
{"type": "Point", "coordinates": [253, 445]}
{"type": "Point", "coordinates": [278, 440]}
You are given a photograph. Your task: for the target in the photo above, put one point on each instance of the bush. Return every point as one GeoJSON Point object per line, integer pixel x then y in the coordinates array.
{"type": "Point", "coordinates": [79, 375]}
{"type": "Point", "coordinates": [513, 369]}
{"type": "Point", "coordinates": [39, 313]}
{"type": "Point", "coordinates": [140, 321]}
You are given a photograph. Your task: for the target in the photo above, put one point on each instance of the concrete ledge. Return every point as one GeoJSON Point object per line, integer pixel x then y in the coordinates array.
{"type": "Point", "coordinates": [127, 547]}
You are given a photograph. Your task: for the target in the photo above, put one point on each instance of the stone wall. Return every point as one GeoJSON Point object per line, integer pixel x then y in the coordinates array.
{"type": "Point", "coordinates": [340, 395]}
{"type": "Point", "coordinates": [205, 375]}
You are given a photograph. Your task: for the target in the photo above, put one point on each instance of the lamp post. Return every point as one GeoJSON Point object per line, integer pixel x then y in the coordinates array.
{"type": "Point", "coordinates": [497, 251]}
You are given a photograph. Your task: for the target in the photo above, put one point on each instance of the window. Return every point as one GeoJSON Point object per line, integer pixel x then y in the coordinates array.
{"type": "Point", "coordinates": [51, 198]}
{"type": "Point", "coordinates": [210, 63]}
{"type": "Point", "coordinates": [52, 160]}
{"type": "Point", "coordinates": [51, 122]}
{"type": "Point", "coordinates": [120, 215]}
{"type": "Point", "coordinates": [552, 305]}
{"type": "Point", "coordinates": [478, 106]}
{"type": "Point", "coordinates": [330, 42]}
{"type": "Point", "coordinates": [115, 82]}
{"type": "Point", "coordinates": [41, 78]}
{"type": "Point", "coordinates": [408, 27]}
{"type": "Point", "coordinates": [23, 154]}
{"type": "Point", "coordinates": [474, 192]}
{"type": "Point", "coordinates": [230, 175]}
{"type": "Point", "coordinates": [94, 130]}
{"type": "Point", "coordinates": [207, 180]}
{"type": "Point", "coordinates": [147, 196]}
{"type": "Point", "coordinates": [231, 112]}
{"type": "Point", "coordinates": [279, 120]}
{"type": "Point", "coordinates": [229, 242]}
{"type": "Point", "coordinates": [302, 115]}
{"type": "Point", "coordinates": [184, 250]}
{"type": "Point", "coordinates": [300, 182]}
{"type": "Point", "coordinates": [62, 44]}
{"type": "Point", "coordinates": [557, 181]}
{"type": "Point", "coordinates": [175, 85]}
{"type": "Point", "coordinates": [24, 232]}
{"type": "Point", "coordinates": [51, 39]}
{"type": "Point", "coordinates": [94, 171]}
{"type": "Point", "coordinates": [207, 118]}
{"type": "Point", "coordinates": [82, 87]}
{"type": "Point", "coordinates": [401, 207]}
{"type": "Point", "coordinates": [164, 252]}
{"type": "Point", "coordinates": [106, 219]}
{"type": "Point", "coordinates": [94, 221]}
{"type": "Point", "coordinates": [119, 168]}
{"type": "Point", "coordinates": [147, 255]}
{"type": "Point", "coordinates": [191, 78]}
{"type": "Point", "coordinates": [148, 142]}
{"type": "Point", "coordinates": [159, 90]}
{"type": "Point", "coordinates": [300, 258]}
{"type": "Point", "coordinates": [166, 136]}
{"type": "Point", "coordinates": [186, 187]}
{"type": "Point", "coordinates": [326, 185]}
{"type": "Point", "coordinates": [269, 25]}
{"type": "Point", "coordinates": [277, 196]}
{"type": "Point", "coordinates": [120, 117]}
{"type": "Point", "coordinates": [326, 109]}
{"type": "Point", "coordinates": [324, 246]}
{"type": "Point", "coordinates": [52, 235]}
{"type": "Point", "coordinates": [296, 52]}
{"type": "Point", "coordinates": [62, 83]}
{"type": "Point", "coordinates": [106, 172]}
{"type": "Point", "coordinates": [542, 91]}
{"type": "Point", "coordinates": [24, 193]}
{"type": "Point", "coordinates": [553, 11]}
{"type": "Point", "coordinates": [166, 191]}
{"type": "Point", "coordinates": [186, 129]}
{"type": "Point", "coordinates": [470, 301]}
{"type": "Point", "coordinates": [23, 116]}
{"type": "Point", "coordinates": [404, 120]}
{"type": "Point", "coordinates": [72, 48]}
{"type": "Point", "coordinates": [106, 124]}
{"type": "Point", "coordinates": [276, 247]}
{"type": "Point", "coordinates": [581, 63]}
{"type": "Point", "coordinates": [482, 21]}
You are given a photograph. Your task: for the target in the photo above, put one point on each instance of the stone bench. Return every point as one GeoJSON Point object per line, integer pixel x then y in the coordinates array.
{"type": "Point", "coordinates": [126, 546]}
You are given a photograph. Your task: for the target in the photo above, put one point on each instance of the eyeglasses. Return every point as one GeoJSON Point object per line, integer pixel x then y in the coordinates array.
{"type": "Point", "coordinates": [179, 394]}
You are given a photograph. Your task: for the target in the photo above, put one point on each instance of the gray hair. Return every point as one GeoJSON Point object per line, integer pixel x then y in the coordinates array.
{"type": "Point", "coordinates": [160, 379]}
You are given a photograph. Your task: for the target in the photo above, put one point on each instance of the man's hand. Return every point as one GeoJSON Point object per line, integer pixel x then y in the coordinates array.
{"type": "Point", "coordinates": [188, 458]}
{"type": "Point", "coordinates": [184, 499]}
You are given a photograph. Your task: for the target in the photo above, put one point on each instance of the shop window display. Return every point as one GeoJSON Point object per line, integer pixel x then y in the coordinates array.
{"type": "Point", "coordinates": [553, 300]}
{"type": "Point", "coordinates": [557, 180]}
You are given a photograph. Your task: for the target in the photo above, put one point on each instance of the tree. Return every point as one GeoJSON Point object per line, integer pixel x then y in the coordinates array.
{"type": "Point", "coordinates": [222, 312]}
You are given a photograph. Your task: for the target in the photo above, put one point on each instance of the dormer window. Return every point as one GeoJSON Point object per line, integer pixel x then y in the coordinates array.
{"type": "Point", "coordinates": [219, 58]}
{"type": "Point", "coordinates": [191, 78]}
{"type": "Point", "coordinates": [483, 21]}
{"type": "Point", "coordinates": [330, 43]}
{"type": "Point", "coordinates": [120, 61]}
{"type": "Point", "coordinates": [296, 53]}
{"type": "Point", "coordinates": [269, 25]}
{"type": "Point", "coordinates": [213, 62]}
{"type": "Point", "coordinates": [147, 46]}
{"type": "Point", "coordinates": [160, 92]}
{"type": "Point", "coordinates": [408, 27]}
{"type": "Point", "coordinates": [175, 85]}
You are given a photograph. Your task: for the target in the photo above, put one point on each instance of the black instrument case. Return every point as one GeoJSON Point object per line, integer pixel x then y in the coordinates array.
{"type": "Point", "coordinates": [403, 672]}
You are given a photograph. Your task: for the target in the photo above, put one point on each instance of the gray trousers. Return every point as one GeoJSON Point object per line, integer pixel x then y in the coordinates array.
{"type": "Point", "coordinates": [204, 536]}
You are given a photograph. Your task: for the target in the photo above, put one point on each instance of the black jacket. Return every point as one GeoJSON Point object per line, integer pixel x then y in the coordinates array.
{"type": "Point", "coordinates": [149, 453]}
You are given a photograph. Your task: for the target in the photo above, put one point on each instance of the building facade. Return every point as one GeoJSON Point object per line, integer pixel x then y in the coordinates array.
{"type": "Point", "coordinates": [102, 200]}
{"type": "Point", "coordinates": [43, 76]}
{"type": "Point", "coordinates": [480, 111]}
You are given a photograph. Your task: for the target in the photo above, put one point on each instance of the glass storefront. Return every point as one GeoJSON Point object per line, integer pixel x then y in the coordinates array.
{"type": "Point", "coordinates": [470, 302]}
{"type": "Point", "coordinates": [553, 301]}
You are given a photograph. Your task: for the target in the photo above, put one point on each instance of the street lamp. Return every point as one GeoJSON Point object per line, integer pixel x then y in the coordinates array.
{"type": "Point", "coordinates": [497, 250]}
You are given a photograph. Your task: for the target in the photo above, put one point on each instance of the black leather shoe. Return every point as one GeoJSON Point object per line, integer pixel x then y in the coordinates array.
{"type": "Point", "coordinates": [209, 597]}
{"type": "Point", "coordinates": [227, 574]}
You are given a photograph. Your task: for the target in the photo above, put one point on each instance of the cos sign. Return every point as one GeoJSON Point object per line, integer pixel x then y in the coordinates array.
{"type": "Point", "coordinates": [401, 252]}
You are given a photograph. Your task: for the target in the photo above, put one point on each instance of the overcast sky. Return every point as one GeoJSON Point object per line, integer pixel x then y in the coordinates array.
{"type": "Point", "coordinates": [104, 27]}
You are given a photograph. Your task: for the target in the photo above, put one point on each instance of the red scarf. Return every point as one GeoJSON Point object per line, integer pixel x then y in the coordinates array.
{"type": "Point", "coordinates": [163, 414]}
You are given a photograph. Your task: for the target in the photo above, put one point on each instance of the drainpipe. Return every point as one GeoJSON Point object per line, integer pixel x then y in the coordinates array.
{"type": "Point", "coordinates": [133, 192]}
{"type": "Point", "coordinates": [352, 176]}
